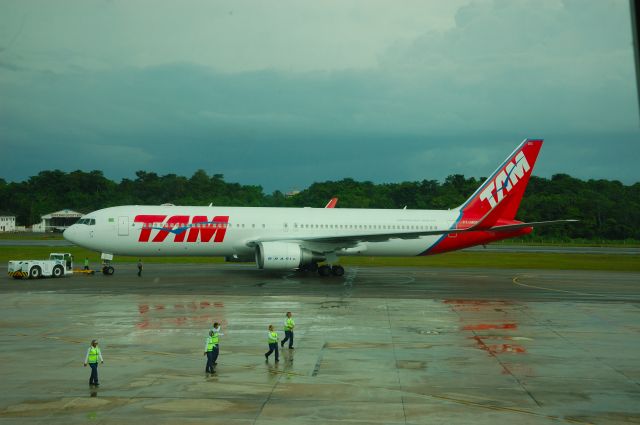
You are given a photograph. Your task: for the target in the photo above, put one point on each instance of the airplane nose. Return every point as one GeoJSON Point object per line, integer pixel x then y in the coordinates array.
{"type": "Point", "coordinates": [71, 234]}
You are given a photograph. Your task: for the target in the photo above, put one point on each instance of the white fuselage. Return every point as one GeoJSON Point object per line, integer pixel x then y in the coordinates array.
{"type": "Point", "coordinates": [171, 232]}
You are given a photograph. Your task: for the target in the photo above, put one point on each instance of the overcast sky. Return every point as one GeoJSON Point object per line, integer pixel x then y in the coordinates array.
{"type": "Point", "coordinates": [284, 93]}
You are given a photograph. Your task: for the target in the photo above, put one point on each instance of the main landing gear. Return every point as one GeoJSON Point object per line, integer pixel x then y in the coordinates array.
{"type": "Point", "coordinates": [323, 270]}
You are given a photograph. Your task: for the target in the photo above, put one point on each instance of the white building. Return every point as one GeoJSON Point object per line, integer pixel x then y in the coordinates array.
{"type": "Point", "coordinates": [57, 221]}
{"type": "Point", "coordinates": [7, 223]}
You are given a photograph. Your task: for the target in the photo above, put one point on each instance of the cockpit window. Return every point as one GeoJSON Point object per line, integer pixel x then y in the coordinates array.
{"type": "Point", "coordinates": [87, 221]}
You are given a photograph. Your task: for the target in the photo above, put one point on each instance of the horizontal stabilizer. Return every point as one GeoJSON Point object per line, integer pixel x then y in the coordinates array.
{"type": "Point", "coordinates": [510, 227]}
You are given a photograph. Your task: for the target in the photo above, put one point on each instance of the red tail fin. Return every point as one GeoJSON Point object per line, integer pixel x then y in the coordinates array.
{"type": "Point", "coordinates": [500, 195]}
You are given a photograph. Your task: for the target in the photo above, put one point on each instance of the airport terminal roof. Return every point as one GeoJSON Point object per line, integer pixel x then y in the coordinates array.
{"type": "Point", "coordinates": [66, 213]}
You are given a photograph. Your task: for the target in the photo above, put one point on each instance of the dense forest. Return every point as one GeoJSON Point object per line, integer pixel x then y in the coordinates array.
{"type": "Point", "coordinates": [606, 209]}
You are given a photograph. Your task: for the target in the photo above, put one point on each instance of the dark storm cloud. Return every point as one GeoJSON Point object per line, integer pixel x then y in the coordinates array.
{"type": "Point", "coordinates": [445, 101]}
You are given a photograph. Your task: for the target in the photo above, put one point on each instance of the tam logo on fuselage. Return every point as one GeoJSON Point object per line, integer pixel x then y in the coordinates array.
{"type": "Point", "coordinates": [507, 179]}
{"type": "Point", "coordinates": [181, 226]}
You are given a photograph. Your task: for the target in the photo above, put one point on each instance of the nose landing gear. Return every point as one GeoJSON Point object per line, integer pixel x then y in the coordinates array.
{"type": "Point", "coordinates": [107, 268]}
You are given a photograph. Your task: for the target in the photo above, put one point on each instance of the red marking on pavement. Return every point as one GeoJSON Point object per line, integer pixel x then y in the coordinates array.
{"type": "Point", "coordinates": [202, 318]}
{"type": "Point", "coordinates": [143, 308]}
{"type": "Point", "coordinates": [473, 302]}
{"type": "Point", "coordinates": [159, 307]}
{"type": "Point", "coordinates": [476, 305]}
{"type": "Point", "coordinates": [143, 325]}
{"type": "Point", "coordinates": [507, 348]}
{"type": "Point", "coordinates": [204, 304]}
{"type": "Point", "coordinates": [218, 304]}
{"type": "Point", "coordinates": [498, 348]}
{"type": "Point", "coordinates": [486, 326]}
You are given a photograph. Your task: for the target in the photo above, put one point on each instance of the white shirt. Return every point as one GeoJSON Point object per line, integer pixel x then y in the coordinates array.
{"type": "Point", "coordinates": [217, 330]}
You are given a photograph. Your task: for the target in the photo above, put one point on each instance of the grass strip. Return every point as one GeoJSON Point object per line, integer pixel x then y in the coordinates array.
{"type": "Point", "coordinates": [492, 260]}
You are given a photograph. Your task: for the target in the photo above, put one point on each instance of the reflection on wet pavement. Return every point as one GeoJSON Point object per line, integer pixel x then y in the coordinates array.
{"type": "Point", "coordinates": [395, 346]}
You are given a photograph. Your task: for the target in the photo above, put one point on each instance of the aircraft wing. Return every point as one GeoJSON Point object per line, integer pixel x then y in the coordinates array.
{"type": "Point", "coordinates": [349, 241]}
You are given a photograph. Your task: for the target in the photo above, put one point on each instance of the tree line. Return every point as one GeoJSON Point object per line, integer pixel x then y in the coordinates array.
{"type": "Point", "coordinates": [606, 209]}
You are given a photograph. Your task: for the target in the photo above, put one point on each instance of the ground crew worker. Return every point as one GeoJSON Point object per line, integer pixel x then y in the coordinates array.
{"type": "Point", "coordinates": [289, 324]}
{"type": "Point", "coordinates": [217, 330]}
{"type": "Point", "coordinates": [211, 350]}
{"type": "Point", "coordinates": [273, 344]}
{"type": "Point", "coordinates": [86, 263]}
{"type": "Point", "coordinates": [139, 267]}
{"type": "Point", "coordinates": [92, 357]}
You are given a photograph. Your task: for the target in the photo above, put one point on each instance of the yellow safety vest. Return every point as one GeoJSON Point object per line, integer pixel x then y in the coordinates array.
{"type": "Point", "coordinates": [273, 337]}
{"type": "Point", "coordinates": [212, 341]}
{"type": "Point", "coordinates": [94, 354]}
{"type": "Point", "coordinates": [290, 324]}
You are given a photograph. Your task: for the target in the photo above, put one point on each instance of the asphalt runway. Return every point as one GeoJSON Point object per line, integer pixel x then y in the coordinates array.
{"type": "Point", "coordinates": [379, 345]}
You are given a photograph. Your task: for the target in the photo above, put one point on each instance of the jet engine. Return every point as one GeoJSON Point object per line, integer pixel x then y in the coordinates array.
{"type": "Point", "coordinates": [283, 256]}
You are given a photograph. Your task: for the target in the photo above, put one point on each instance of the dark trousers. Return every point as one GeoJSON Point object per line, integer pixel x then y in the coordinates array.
{"type": "Point", "coordinates": [139, 271]}
{"type": "Point", "coordinates": [93, 379]}
{"type": "Point", "coordinates": [273, 347]}
{"type": "Point", "coordinates": [216, 351]}
{"type": "Point", "coordinates": [288, 337]}
{"type": "Point", "coordinates": [209, 367]}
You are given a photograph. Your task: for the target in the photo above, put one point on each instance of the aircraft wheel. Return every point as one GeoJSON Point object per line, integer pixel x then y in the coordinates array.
{"type": "Point", "coordinates": [108, 270]}
{"type": "Point", "coordinates": [337, 270]}
{"type": "Point", "coordinates": [312, 267]}
{"type": "Point", "coordinates": [35, 272]}
{"type": "Point", "coordinates": [58, 271]}
{"type": "Point", "coordinates": [324, 270]}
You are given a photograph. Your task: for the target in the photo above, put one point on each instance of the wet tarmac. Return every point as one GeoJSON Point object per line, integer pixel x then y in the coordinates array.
{"type": "Point", "coordinates": [380, 345]}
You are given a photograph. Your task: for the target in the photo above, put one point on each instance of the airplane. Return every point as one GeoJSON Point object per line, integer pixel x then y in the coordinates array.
{"type": "Point", "coordinates": [313, 239]}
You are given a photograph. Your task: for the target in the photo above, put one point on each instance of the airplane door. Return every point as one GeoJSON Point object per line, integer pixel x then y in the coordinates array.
{"type": "Point", "coordinates": [123, 226]}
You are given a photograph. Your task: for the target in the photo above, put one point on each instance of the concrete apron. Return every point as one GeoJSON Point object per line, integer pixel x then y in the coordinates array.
{"type": "Point", "coordinates": [367, 360]}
